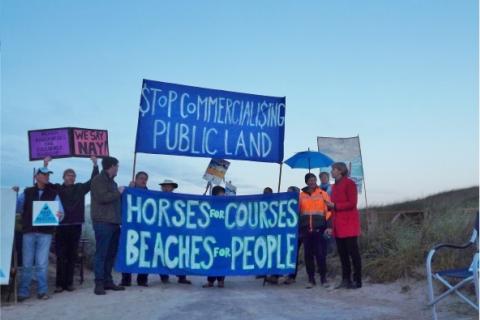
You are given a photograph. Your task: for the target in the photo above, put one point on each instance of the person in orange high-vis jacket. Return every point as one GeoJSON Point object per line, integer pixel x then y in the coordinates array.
{"type": "Point", "coordinates": [315, 227]}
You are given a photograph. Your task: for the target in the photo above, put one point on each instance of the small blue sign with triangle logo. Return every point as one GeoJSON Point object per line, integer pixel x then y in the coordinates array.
{"type": "Point", "coordinates": [45, 217]}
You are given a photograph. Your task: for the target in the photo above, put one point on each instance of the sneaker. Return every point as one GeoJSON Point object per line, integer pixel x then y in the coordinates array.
{"type": "Point", "coordinates": [113, 287]}
{"type": "Point", "coordinates": [43, 296]}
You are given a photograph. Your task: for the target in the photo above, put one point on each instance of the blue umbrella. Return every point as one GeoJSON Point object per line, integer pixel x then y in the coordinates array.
{"type": "Point", "coordinates": [308, 160]}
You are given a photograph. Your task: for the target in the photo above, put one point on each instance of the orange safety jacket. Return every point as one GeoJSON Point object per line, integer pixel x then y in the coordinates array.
{"type": "Point", "coordinates": [314, 212]}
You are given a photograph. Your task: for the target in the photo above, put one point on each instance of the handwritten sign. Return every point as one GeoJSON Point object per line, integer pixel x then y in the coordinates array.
{"type": "Point", "coordinates": [168, 233]}
{"type": "Point", "coordinates": [50, 142]}
{"type": "Point", "coordinates": [197, 122]}
{"type": "Point", "coordinates": [67, 142]}
{"type": "Point", "coordinates": [90, 142]}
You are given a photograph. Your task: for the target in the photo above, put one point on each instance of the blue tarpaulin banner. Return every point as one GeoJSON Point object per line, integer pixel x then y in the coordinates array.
{"type": "Point", "coordinates": [183, 120]}
{"type": "Point", "coordinates": [168, 233]}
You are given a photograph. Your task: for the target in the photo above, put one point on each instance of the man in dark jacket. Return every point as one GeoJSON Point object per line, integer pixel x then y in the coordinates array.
{"type": "Point", "coordinates": [106, 219]}
{"type": "Point", "coordinates": [67, 236]}
{"type": "Point", "coordinates": [36, 239]}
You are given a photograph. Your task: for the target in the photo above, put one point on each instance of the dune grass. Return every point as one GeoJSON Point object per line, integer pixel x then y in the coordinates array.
{"type": "Point", "coordinates": [392, 251]}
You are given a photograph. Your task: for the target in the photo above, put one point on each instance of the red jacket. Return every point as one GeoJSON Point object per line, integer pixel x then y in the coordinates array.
{"type": "Point", "coordinates": [346, 219]}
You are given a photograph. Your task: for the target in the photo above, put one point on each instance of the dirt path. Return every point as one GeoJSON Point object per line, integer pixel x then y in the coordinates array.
{"type": "Point", "coordinates": [243, 298]}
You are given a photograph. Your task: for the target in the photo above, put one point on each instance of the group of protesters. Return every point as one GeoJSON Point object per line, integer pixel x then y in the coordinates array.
{"type": "Point", "coordinates": [326, 211]}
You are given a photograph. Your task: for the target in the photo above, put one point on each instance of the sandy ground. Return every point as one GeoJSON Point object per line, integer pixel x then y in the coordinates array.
{"type": "Point", "coordinates": [243, 298]}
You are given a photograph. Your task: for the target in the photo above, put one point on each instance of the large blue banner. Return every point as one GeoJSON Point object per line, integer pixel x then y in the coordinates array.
{"type": "Point", "coordinates": [182, 120]}
{"type": "Point", "coordinates": [168, 233]}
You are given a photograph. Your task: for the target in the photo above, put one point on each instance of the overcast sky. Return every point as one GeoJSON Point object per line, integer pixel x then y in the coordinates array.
{"type": "Point", "coordinates": [403, 75]}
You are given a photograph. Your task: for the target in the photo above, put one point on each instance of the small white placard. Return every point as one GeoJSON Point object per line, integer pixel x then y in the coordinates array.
{"type": "Point", "coordinates": [45, 213]}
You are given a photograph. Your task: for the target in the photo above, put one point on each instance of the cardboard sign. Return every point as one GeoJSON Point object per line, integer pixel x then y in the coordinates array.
{"type": "Point", "coordinates": [45, 213]}
{"type": "Point", "coordinates": [216, 170]}
{"type": "Point", "coordinates": [50, 142]}
{"type": "Point", "coordinates": [67, 142]}
{"type": "Point", "coordinates": [7, 225]}
{"type": "Point", "coordinates": [90, 142]}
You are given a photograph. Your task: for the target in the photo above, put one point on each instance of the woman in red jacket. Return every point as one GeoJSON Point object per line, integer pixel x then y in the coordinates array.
{"type": "Point", "coordinates": [346, 225]}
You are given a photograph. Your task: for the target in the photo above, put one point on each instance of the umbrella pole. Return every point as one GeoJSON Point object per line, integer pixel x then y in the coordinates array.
{"type": "Point", "coordinates": [280, 177]}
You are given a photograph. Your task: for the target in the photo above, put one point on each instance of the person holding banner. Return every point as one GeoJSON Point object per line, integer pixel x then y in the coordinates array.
{"type": "Point", "coordinates": [169, 186]}
{"type": "Point", "coordinates": [36, 240]}
{"type": "Point", "coordinates": [290, 279]}
{"type": "Point", "coordinates": [315, 225]}
{"type": "Point", "coordinates": [216, 191]}
{"type": "Point", "coordinates": [141, 179]}
{"type": "Point", "coordinates": [67, 235]}
{"type": "Point", "coordinates": [106, 219]}
{"type": "Point", "coordinates": [346, 225]}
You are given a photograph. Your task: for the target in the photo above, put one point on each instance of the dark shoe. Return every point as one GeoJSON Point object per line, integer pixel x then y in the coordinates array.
{"type": "Point", "coordinates": [345, 284]}
{"type": "Point", "coordinates": [124, 283]}
{"type": "Point", "coordinates": [324, 283]}
{"type": "Point", "coordinates": [114, 287]}
{"type": "Point", "coordinates": [311, 282]}
{"type": "Point", "coordinates": [271, 279]}
{"type": "Point", "coordinates": [99, 289]}
{"type": "Point", "coordinates": [164, 279]}
{"type": "Point", "coordinates": [221, 284]}
{"type": "Point", "coordinates": [70, 288]}
{"type": "Point", "coordinates": [208, 285]}
{"type": "Point", "coordinates": [142, 284]}
{"type": "Point", "coordinates": [289, 281]}
{"type": "Point", "coordinates": [259, 277]}
{"type": "Point", "coordinates": [184, 281]}
{"type": "Point", "coordinates": [58, 290]}
{"type": "Point", "coordinates": [21, 299]}
{"type": "Point", "coordinates": [43, 296]}
{"type": "Point", "coordinates": [356, 285]}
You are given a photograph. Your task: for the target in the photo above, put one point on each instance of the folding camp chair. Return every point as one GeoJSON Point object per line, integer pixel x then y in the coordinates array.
{"type": "Point", "coordinates": [466, 275]}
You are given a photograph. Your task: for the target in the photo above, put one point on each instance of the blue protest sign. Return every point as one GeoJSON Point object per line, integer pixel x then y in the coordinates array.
{"type": "Point", "coordinates": [183, 120]}
{"type": "Point", "coordinates": [168, 233]}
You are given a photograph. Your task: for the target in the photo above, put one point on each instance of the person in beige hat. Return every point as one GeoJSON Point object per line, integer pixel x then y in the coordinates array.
{"type": "Point", "coordinates": [168, 186]}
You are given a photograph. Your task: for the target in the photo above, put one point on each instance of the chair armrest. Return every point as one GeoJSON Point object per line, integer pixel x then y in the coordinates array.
{"type": "Point", "coordinates": [441, 246]}
{"type": "Point", "coordinates": [452, 246]}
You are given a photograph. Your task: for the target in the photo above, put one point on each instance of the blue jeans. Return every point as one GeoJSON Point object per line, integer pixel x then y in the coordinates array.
{"type": "Point", "coordinates": [35, 248]}
{"type": "Point", "coordinates": [106, 238]}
